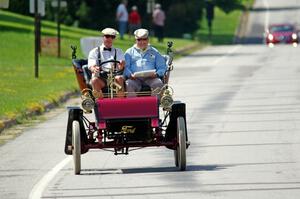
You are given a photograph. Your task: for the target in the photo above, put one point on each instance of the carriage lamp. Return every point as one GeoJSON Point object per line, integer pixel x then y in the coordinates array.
{"type": "Point", "coordinates": [87, 102]}
{"type": "Point", "coordinates": [294, 36]}
{"type": "Point", "coordinates": [166, 100]}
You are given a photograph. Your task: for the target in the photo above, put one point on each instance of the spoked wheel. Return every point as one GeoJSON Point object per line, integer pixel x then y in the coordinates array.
{"type": "Point", "coordinates": [76, 147]}
{"type": "Point", "coordinates": [180, 152]}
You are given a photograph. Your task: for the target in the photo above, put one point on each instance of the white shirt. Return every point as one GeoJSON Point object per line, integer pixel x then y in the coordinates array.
{"type": "Point", "coordinates": [105, 55]}
{"type": "Point", "coordinates": [159, 17]}
{"type": "Point", "coordinates": [122, 12]}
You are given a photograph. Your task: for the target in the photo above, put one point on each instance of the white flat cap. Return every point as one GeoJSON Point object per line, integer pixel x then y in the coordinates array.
{"type": "Point", "coordinates": [141, 33]}
{"type": "Point", "coordinates": [134, 8]}
{"type": "Point", "coordinates": [157, 6]}
{"type": "Point", "coordinates": [109, 31]}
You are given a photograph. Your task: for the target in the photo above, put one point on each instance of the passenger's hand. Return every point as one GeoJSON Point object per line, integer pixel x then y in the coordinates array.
{"type": "Point", "coordinates": [154, 75]}
{"type": "Point", "coordinates": [132, 77]}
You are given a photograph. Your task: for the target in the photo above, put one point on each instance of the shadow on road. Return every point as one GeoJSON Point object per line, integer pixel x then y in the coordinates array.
{"type": "Point", "coordinates": [150, 170]}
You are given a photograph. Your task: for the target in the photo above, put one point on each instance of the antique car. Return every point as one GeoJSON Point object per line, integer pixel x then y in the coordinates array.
{"type": "Point", "coordinates": [151, 119]}
{"type": "Point", "coordinates": [282, 33]}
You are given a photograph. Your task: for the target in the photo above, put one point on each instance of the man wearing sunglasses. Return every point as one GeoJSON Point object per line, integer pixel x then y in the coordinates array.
{"type": "Point", "coordinates": [144, 64]}
{"type": "Point", "coordinates": [99, 55]}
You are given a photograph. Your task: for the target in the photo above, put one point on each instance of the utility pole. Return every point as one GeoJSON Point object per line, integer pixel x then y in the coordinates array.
{"type": "Point", "coordinates": [58, 28]}
{"type": "Point", "coordinates": [36, 40]}
{"type": "Point", "coordinates": [209, 15]}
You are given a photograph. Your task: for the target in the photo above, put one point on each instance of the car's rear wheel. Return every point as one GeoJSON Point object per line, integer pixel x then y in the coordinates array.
{"type": "Point", "coordinates": [76, 149]}
{"type": "Point", "coordinates": [180, 152]}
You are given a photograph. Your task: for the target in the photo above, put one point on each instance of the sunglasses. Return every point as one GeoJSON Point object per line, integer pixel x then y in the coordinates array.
{"type": "Point", "coordinates": [142, 39]}
{"type": "Point", "coordinates": [110, 36]}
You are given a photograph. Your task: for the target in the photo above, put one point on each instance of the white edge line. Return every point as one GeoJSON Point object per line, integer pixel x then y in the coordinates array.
{"type": "Point", "coordinates": [38, 188]}
{"type": "Point", "coordinates": [227, 54]}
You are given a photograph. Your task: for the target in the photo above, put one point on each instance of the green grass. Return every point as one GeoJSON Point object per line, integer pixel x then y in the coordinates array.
{"type": "Point", "coordinates": [19, 90]}
{"type": "Point", "coordinates": [223, 28]}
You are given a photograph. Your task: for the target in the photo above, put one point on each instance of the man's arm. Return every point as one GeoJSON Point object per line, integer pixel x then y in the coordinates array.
{"type": "Point", "coordinates": [92, 61]}
{"type": "Point", "coordinates": [120, 11]}
{"type": "Point", "coordinates": [161, 65]}
{"type": "Point", "coordinates": [128, 72]}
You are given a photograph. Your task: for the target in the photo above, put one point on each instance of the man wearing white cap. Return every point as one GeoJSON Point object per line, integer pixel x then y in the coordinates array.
{"type": "Point", "coordinates": [103, 53]}
{"type": "Point", "coordinates": [143, 57]}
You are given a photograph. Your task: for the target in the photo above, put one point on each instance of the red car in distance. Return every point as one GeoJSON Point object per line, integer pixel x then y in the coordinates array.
{"type": "Point", "coordinates": [282, 33]}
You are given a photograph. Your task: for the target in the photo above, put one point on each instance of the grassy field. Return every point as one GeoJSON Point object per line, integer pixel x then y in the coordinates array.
{"type": "Point", "coordinates": [223, 28]}
{"type": "Point", "coordinates": [19, 90]}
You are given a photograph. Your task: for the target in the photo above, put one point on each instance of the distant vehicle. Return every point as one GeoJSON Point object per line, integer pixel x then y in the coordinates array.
{"type": "Point", "coordinates": [282, 33]}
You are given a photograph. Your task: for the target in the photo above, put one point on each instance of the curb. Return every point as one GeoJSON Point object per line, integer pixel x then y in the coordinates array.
{"type": "Point", "coordinates": [45, 107]}
{"type": "Point", "coordinates": [181, 51]}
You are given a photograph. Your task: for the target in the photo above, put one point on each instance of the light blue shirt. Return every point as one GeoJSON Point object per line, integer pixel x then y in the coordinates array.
{"type": "Point", "coordinates": [137, 60]}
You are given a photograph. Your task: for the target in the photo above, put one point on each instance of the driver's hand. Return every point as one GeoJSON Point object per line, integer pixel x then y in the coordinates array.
{"type": "Point", "coordinates": [95, 69]}
{"type": "Point", "coordinates": [121, 66]}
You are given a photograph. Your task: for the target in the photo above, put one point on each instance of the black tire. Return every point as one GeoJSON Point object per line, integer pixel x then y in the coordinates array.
{"type": "Point", "coordinates": [181, 144]}
{"type": "Point", "coordinates": [176, 157]}
{"type": "Point", "coordinates": [76, 149]}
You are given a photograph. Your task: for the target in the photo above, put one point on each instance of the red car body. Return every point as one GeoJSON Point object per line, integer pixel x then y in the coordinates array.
{"type": "Point", "coordinates": [282, 33]}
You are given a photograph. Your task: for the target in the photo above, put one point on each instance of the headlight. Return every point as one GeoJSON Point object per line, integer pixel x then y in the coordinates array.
{"type": "Point", "coordinates": [166, 100]}
{"type": "Point", "coordinates": [88, 104]}
{"type": "Point", "coordinates": [270, 37]}
{"type": "Point", "coordinates": [294, 36]}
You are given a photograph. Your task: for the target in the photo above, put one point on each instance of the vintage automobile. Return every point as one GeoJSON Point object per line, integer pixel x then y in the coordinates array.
{"type": "Point", "coordinates": [150, 119]}
{"type": "Point", "coordinates": [282, 33]}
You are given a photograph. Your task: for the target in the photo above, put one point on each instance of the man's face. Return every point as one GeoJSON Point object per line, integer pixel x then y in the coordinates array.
{"type": "Point", "coordinates": [142, 43]}
{"type": "Point", "coordinates": [108, 40]}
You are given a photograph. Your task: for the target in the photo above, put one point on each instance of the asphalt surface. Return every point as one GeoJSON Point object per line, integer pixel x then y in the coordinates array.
{"type": "Point", "coordinates": [243, 117]}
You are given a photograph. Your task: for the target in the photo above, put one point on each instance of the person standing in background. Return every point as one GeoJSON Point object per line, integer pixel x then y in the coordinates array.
{"type": "Point", "coordinates": [122, 18]}
{"type": "Point", "coordinates": [134, 20]}
{"type": "Point", "coordinates": [159, 22]}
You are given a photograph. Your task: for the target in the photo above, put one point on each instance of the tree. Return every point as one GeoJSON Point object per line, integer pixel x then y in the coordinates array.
{"type": "Point", "coordinates": [182, 16]}
{"type": "Point", "coordinates": [229, 5]}
{"type": "Point", "coordinates": [18, 6]}
{"type": "Point", "coordinates": [210, 6]}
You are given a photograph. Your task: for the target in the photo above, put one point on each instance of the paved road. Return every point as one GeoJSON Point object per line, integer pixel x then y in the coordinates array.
{"type": "Point", "coordinates": [243, 113]}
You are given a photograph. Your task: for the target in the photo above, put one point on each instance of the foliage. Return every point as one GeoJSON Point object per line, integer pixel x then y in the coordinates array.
{"type": "Point", "coordinates": [228, 7]}
{"type": "Point", "coordinates": [224, 25]}
{"type": "Point", "coordinates": [182, 15]}
{"type": "Point", "coordinates": [18, 6]}
{"type": "Point", "coordinates": [223, 29]}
